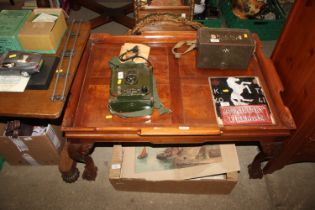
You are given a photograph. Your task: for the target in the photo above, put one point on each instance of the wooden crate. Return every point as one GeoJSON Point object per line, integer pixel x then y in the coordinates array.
{"type": "Point", "coordinates": [182, 8]}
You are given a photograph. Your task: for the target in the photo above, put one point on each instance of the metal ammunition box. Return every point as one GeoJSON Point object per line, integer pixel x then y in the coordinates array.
{"type": "Point", "coordinates": [222, 48]}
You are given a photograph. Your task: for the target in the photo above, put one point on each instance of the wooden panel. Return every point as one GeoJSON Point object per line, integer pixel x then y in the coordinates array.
{"type": "Point", "coordinates": [294, 60]}
{"type": "Point", "coordinates": [312, 137]}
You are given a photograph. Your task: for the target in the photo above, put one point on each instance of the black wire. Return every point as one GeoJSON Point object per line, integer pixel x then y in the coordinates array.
{"type": "Point", "coordinates": [148, 62]}
{"type": "Point", "coordinates": [135, 50]}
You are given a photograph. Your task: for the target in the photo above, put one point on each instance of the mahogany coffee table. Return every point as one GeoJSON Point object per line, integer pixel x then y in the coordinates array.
{"type": "Point", "coordinates": [182, 87]}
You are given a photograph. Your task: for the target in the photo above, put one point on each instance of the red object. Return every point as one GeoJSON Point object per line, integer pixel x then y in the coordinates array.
{"type": "Point", "coordinates": [245, 115]}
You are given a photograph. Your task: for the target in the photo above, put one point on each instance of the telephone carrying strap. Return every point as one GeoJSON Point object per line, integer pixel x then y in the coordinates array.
{"type": "Point", "coordinates": [190, 43]}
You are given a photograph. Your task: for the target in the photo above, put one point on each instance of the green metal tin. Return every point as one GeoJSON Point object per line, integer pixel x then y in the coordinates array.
{"type": "Point", "coordinates": [11, 21]}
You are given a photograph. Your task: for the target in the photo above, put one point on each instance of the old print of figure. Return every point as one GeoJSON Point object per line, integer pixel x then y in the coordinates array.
{"type": "Point", "coordinates": [158, 159]}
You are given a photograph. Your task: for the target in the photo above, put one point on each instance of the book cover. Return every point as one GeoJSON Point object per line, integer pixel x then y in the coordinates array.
{"type": "Point", "coordinates": [240, 101]}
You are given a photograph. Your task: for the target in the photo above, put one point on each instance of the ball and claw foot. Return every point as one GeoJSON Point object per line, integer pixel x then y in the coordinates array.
{"type": "Point", "coordinates": [255, 172]}
{"type": "Point", "coordinates": [89, 173]}
{"type": "Point", "coordinates": [71, 177]}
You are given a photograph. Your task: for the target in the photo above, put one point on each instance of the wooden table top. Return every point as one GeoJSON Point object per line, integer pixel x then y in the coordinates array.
{"type": "Point", "coordinates": [182, 87]}
{"type": "Point", "coordinates": [37, 103]}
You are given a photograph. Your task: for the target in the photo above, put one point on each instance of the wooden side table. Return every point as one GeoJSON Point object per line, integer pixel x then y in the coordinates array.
{"type": "Point", "coordinates": [37, 103]}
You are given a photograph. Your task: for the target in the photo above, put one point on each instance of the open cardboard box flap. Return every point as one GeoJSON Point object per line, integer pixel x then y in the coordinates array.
{"type": "Point", "coordinates": [56, 11]}
{"type": "Point", "coordinates": [38, 28]}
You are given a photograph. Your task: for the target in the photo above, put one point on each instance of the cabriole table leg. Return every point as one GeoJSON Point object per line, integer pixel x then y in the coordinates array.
{"type": "Point", "coordinates": [67, 166]}
{"type": "Point", "coordinates": [73, 153]}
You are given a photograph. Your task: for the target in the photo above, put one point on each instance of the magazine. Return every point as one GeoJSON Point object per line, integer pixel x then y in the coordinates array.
{"type": "Point", "coordinates": [160, 163]}
{"type": "Point", "coordinates": [240, 101]}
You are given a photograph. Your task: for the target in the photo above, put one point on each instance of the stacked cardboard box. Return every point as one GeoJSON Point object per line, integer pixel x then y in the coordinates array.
{"type": "Point", "coordinates": [32, 150]}
{"type": "Point", "coordinates": [158, 181]}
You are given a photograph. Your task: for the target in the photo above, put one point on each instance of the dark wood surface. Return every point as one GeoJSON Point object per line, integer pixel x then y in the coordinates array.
{"type": "Point", "coordinates": [294, 59]}
{"type": "Point", "coordinates": [182, 87]}
{"type": "Point", "coordinates": [106, 14]}
{"type": "Point", "coordinates": [37, 103]}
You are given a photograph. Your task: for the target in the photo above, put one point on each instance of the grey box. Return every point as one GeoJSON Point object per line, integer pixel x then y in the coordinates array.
{"type": "Point", "coordinates": [224, 48]}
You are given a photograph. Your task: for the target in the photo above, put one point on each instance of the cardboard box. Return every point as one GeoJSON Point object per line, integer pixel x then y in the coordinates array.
{"type": "Point", "coordinates": [32, 150]}
{"type": "Point", "coordinates": [43, 37]}
{"type": "Point", "coordinates": [205, 185]}
{"type": "Point", "coordinates": [11, 21]}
